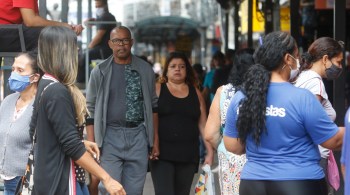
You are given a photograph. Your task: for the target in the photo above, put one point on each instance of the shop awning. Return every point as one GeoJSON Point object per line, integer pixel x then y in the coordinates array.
{"type": "Point", "coordinates": [165, 28]}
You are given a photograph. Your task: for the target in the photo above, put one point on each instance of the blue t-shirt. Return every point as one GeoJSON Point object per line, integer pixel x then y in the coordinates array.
{"type": "Point", "coordinates": [296, 123]}
{"type": "Point", "coordinates": [345, 156]}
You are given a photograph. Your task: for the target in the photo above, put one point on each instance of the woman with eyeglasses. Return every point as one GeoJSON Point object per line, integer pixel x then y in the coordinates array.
{"type": "Point", "coordinates": [322, 60]}
{"type": "Point", "coordinates": [15, 114]}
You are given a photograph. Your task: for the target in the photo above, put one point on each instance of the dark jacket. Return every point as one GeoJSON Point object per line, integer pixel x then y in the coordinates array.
{"type": "Point", "coordinates": [57, 142]}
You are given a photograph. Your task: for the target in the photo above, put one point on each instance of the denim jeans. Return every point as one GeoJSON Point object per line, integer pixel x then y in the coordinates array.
{"type": "Point", "coordinates": [82, 189]}
{"type": "Point", "coordinates": [10, 185]}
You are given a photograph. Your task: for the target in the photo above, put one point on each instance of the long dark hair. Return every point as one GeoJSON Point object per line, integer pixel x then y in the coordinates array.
{"type": "Point", "coordinates": [269, 56]}
{"type": "Point", "coordinates": [242, 61]}
{"type": "Point", "coordinates": [320, 47]}
{"type": "Point", "coordinates": [190, 77]}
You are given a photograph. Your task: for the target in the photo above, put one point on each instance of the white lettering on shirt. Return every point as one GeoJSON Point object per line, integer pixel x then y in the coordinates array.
{"type": "Point", "coordinates": [275, 111]}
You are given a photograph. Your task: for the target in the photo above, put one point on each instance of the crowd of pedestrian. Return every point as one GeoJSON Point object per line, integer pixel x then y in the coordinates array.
{"type": "Point", "coordinates": [267, 142]}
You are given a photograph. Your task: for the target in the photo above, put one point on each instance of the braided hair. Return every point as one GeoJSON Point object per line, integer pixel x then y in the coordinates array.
{"type": "Point", "coordinates": [268, 57]}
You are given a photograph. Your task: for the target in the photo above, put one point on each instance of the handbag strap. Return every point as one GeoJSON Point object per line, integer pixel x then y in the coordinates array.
{"type": "Point", "coordinates": [34, 135]}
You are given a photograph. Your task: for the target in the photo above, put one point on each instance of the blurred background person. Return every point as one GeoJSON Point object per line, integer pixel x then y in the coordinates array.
{"type": "Point", "coordinates": [15, 115]}
{"type": "Point", "coordinates": [98, 47]}
{"type": "Point", "coordinates": [182, 117]}
{"type": "Point", "coordinates": [25, 12]}
{"type": "Point", "coordinates": [323, 59]}
{"type": "Point", "coordinates": [55, 13]}
{"type": "Point", "coordinates": [217, 62]}
{"type": "Point", "coordinates": [199, 74]}
{"type": "Point", "coordinates": [221, 75]}
{"type": "Point", "coordinates": [230, 165]}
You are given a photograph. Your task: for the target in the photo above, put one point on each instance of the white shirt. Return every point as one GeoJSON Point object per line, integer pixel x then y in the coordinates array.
{"type": "Point", "coordinates": [312, 81]}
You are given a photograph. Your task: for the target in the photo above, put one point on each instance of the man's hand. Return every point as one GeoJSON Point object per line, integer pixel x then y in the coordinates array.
{"type": "Point", "coordinates": [77, 28]}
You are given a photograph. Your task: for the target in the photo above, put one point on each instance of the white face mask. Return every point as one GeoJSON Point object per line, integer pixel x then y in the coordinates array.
{"type": "Point", "coordinates": [294, 72]}
{"type": "Point", "coordinates": [100, 11]}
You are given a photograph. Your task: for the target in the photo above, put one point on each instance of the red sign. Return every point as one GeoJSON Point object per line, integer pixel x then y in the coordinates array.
{"type": "Point", "coordinates": [328, 4]}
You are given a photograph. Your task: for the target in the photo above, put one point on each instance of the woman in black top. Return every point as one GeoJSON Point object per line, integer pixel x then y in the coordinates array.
{"type": "Point", "coordinates": [181, 111]}
{"type": "Point", "coordinates": [57, 113]}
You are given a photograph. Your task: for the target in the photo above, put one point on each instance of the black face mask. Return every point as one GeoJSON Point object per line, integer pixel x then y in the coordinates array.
{"type": "Point", "coordinates": [333, 72]}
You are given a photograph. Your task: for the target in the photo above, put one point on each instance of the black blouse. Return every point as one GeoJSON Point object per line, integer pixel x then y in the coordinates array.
{"type": "Point", "coordinates": [178, 126]}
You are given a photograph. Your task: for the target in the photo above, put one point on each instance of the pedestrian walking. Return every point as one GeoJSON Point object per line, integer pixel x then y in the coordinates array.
{"type": "Point", "coordinates": [59, 111]}
{"type": "Point", "coordinates": [122, 102]}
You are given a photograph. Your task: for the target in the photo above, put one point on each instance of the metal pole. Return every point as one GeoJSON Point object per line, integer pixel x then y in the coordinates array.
{"type": "Point", "coordinates": [226, 29]}
{"type": "Point", "coordinates": [236, 24]}
{"type": "Point", "coordinates": [202, 44]}
{"type": "Point", "coordinates": [42, 8]}
{"type": "Point", "coordinates": [79, 11]}
{"type": "Point", "coordinates": [250, 23]}
{"type": "Point", "coordinates": [88, 34]}
{"type": "Point", "coordinates": [294, 20]}
{"type": "Point", "coordinates": [268, 16]}
{"type": "Point", "coordinates": [89, 9]}
{"type": "Point", "coordinates": [339, 84]}
{"type": "Point", "coordinates": [276, 19]}
{"type": "Point", "coordinates": [64, 12]}
{"type": "Point", "coordinates": [87, 65]}
{"type": "Point", "coordinates": [80, 16]}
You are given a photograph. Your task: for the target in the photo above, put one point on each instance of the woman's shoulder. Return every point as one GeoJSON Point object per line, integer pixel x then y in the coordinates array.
{"type": "Point", "coordinates": [54, 89]}
{"type": "Point", "coordinates": [227, 88]}
{"type": "Point", "coordinates": [307, 77]}
{"type": "Point", "coordinates": [10, 98]}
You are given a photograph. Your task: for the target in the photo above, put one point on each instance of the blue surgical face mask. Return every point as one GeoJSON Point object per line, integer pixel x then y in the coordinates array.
{"type": "Point", "coordinates": [18, 82]}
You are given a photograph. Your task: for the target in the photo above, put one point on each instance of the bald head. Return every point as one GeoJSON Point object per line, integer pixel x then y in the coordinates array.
{"type": "Point", "coordinates": [121, 42]}
{"type": "Point", "coordinates": [120, 28]}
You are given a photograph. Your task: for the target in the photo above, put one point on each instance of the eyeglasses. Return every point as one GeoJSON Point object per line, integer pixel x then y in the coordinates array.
{"type": "Point", "coordinates": [121, 41]}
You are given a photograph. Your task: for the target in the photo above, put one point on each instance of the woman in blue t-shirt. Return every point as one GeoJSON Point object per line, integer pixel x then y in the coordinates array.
{"type": "Point", "coordinates": [279, 125]}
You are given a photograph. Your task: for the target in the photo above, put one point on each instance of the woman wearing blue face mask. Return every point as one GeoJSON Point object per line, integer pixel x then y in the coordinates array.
{"type": "Point", "coordinates": [15, 115]}
{"type": "Point", "coordinates": [322, 60]}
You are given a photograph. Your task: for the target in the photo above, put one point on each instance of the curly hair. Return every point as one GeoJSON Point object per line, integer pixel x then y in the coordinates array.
{"type": "Point", "coordinates": [242, 60]}
{"type": "Point", "coordinates": [190, 77]}
{"type": "Point", "coordinates": [320, 47]}
{"type": "Point", "coordinates": [269, 57]}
